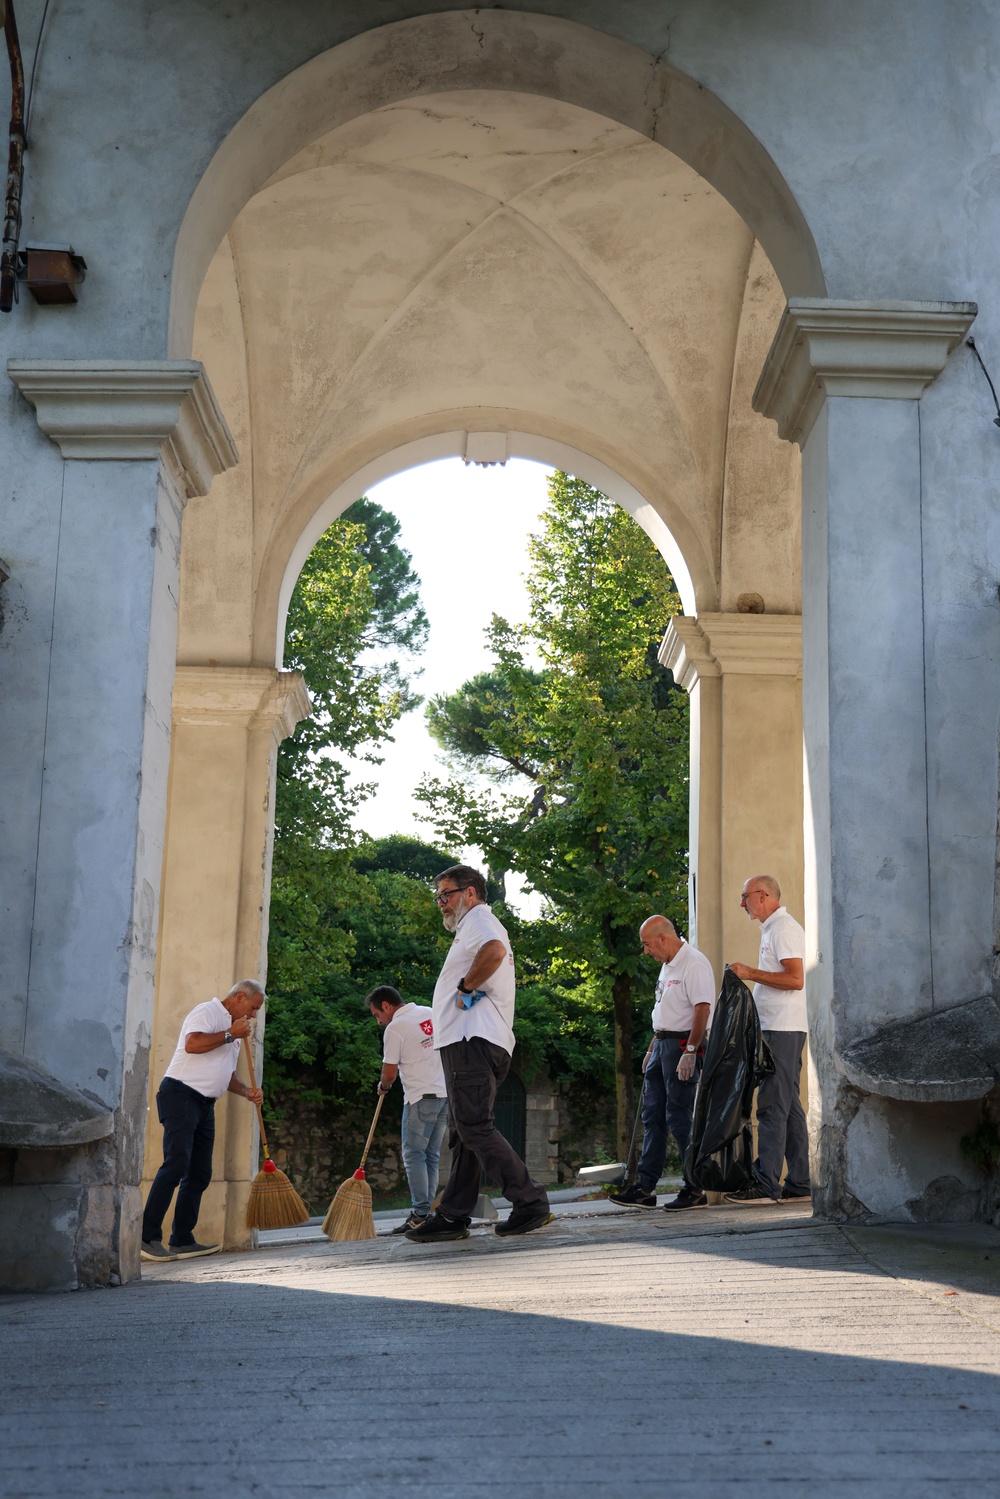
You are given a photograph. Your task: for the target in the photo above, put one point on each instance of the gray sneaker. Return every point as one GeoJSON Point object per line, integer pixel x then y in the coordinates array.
{"type": "Point", "coordinates": [192, 1251]}
{"type": "Point", "coordinates": [153, 1249]}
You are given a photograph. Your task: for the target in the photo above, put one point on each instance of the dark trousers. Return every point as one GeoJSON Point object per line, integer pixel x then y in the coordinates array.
{"type": "Point", "coordinates": [667, 1109]}
{"type": "Point", "coordinates": [781, 1122]}
{"type": "Point", "coordinates": [188, 1120]}
{"type": "Point", "coordinates": [473, 1070]}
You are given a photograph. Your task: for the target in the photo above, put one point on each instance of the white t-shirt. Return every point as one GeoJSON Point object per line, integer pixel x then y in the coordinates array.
{"type": "Point", "coordinates": [493, 1016]}
{"type": "Point", "coordinates": [408, 1042]}
{"type": "Point", "coordinates": [780, 1009]}
{"type": "Point", "coordinates": [687, 980]}
{"type": "Point", "coordinates": [207, 1072]}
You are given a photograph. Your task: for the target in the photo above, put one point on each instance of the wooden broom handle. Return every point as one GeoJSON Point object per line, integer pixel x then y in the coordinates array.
{"type": "Point", "coordinates": [253, 1084]}
{"type": "Point", "coordinates": [371, 1132]}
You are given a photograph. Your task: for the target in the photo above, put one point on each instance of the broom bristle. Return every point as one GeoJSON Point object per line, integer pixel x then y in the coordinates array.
{"type": "Point", "coordinates": [350, 1215]}
{"type": "Point", "coordinates": [274, 1202]}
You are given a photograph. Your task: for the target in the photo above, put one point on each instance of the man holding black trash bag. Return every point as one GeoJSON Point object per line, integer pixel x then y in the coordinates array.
{"type": "Point", "coordinates": [685, 993]}
{"type": "Point", "coordinates": [779, 994]}
{"type": "Point", "coordinates": [473, 1033]}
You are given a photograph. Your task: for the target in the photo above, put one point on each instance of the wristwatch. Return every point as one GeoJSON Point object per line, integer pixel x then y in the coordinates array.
{"type": "Point", "coordinates": [462, 989]}
{"type": "Point", "coordinates": [230, 1038]}
{"type": "Point", "coordinates": [690, 1048]}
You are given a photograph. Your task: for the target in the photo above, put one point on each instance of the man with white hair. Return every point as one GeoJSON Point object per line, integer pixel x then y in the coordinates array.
{"type": "Point", "coordinates": [202, 1068]}
{"type": "Point", "coordinates": [779, 994]}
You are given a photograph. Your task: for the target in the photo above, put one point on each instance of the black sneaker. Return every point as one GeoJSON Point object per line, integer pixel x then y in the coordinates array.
{"type": "Point", "coordinates": [413, 1221]}
{"type": "Point", "coordinates": [750, 1197]}
{"type": "Point", "coordinates": [193, 1251]}
{"type": "Point", "coordinates": [687, 1197]}
{"type": "Point", "coordinates": [788, 1194]}
{"type": "Point", "coordinates": [633, 1197]}
{"type": "Point", "coordinates": [438, 1229]}
{"type": "Point", "coordinates": [524, 1221]}
{"type": "Point", "coordinates": [153, 1249]}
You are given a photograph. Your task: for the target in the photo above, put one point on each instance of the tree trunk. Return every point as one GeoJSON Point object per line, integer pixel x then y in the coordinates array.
{"type": "Point", "coordinates": [624, 1078]}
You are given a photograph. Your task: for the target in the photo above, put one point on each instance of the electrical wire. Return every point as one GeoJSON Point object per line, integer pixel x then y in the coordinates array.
{"type": "Point", "coordinates": [970, 343]}
{"type": "Point", "coordinates": [31, 80]}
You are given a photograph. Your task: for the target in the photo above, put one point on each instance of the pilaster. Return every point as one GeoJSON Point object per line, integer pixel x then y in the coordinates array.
{"type": "Point", "coordinates": [743, 672]}
{"type": "Point", "coordinates": [227, 724]}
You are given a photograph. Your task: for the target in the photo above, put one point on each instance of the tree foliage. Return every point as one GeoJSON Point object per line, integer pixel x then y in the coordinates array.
{"type": "Point", "coordinates": [578, 703]}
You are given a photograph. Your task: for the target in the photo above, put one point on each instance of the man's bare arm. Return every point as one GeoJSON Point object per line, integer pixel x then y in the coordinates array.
{"type": "Point", "coordinates": [793, 976]}
{"type": "Point", "coordinates": [485, 964]}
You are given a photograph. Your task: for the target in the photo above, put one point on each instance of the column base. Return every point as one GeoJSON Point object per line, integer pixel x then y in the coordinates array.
{"type": "Point", "coordinates": [63, 1225]}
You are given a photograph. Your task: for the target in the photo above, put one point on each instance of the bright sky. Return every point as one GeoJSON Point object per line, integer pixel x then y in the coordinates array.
{"type": "Point", "coordinates": [466, 529]}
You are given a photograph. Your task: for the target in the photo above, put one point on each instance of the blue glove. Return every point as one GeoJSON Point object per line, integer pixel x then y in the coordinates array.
{"type": "Point", "coordinates": [466, 1001]}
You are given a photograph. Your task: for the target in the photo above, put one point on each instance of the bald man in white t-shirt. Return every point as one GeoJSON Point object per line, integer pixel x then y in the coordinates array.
{"type": "Point", "coordinates": [779, 993]}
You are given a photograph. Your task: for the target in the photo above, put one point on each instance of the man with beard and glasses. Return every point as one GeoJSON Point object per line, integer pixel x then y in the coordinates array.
{"type": "Point", "coordinates": [473, 1033]}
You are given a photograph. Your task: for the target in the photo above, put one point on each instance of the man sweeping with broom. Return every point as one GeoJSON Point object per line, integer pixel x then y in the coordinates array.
{"type": "Point", "coordinates": [202, 1068]}
{"type": "Point", "coordinates": [473, 1033]}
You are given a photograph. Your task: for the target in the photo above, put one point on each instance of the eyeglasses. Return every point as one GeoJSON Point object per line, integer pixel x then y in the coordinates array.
{"type": "Point", "coordinates": [444, 896]}
{"type": "Point", "coordinates": [747, 894]}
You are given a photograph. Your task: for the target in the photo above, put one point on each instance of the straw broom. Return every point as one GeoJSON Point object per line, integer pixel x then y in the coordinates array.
{"type": "Point", "coordinates": [350, 1215]}
{"type": "Point", "coordinates": [273, 1201]}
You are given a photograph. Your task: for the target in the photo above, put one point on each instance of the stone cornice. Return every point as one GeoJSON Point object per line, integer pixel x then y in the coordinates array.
{"type": "Point", "coordinates": [257, 697]}
{"type": "Point", "coordinates": [126, 410]}
{"type": "Point", "coordinates": [684, 651]}
{"type": "Point", "coordinates": [716, 645]}
{"type": "Point", "coordinates": [885, 350]}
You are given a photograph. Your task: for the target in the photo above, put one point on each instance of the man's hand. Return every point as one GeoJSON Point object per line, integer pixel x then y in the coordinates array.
{"type": "Point", "coordinates": [685, 1067]}
{"type": "Point", "coordinates": [240, 1028]}
{"type": "Point", "coordinates": [741, 971]}
{"type": "Point", "coordinates": [645, 1062]}
{"type": "Point", "coordinates": [382, 1087]}
{"type": "Point", "coordinates": [254, 1095]}
{"type": "Point", "coordinates": [466, 1001]}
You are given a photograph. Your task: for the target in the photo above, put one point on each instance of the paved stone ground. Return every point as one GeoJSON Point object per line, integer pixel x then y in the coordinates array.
{"type": "Point", "coordinates": [626, 1354]}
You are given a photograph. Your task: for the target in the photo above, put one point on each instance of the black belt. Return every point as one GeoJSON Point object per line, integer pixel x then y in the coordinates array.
{"type": "Point", "coordinates": [670, 1035]}
{"type": "Point", "coordinates": [429, 1095]}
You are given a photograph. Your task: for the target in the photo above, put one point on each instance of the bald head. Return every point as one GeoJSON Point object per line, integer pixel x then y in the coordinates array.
{"type": "Point", "coordinates": [659, 938]}
{"type": "Point", "coordinates": [761, 896]}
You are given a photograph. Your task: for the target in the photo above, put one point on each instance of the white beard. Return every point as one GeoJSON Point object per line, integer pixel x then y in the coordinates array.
{"type": "Point", "coordinates": [453, 915]}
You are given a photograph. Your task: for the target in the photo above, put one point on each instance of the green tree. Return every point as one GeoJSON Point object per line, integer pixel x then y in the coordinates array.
{"type": "Point", "coordinates": [354, 613]}
{"type": "Point", "coordinates": [578, 704]}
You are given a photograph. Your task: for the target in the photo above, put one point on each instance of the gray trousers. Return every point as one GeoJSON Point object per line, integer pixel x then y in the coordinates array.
{"type": "Point", "coordinates": [781, 1123]}
{"type": "Point", "coordinates": [473, 1070]}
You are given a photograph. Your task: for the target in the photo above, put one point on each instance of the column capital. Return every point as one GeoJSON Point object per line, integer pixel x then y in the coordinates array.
{"type": "Point", "coordinates": [258, 697]}
{"type": "Point", "coordinates": [715, 645]}
{"type": "Point", "coordinates": [882, 350]}
{"type": "Point", "coordinates": [131, 410]}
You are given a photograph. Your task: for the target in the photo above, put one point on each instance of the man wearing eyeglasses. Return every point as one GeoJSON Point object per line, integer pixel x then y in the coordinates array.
{"type": "Point", "coordinates": [779, 994]}
{"type": "Point", "coordinates": [473, 1033]}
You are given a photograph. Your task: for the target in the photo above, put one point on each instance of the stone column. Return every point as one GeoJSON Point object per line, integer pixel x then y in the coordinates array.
{"type": "Point", "coordinates": [227, 724]}
{"type": "Point", "coordinates": [843, 380]}
{"type": "Point", "coordinates": [91, 535]}
{"type": "Point", "coordinates": [743, 672]}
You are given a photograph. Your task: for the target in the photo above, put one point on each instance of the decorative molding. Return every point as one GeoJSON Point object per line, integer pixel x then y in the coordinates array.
{"type": "Point", "coordinates": [684, 651]}
{"type": "Point", "coordinates": [715, 645]}
{"type": "Point", "coordinates": [882, 350]}
{"type": "Point", "coordinates": [125, 410]}
{"type": "Point", "coordinates": [256, 697]}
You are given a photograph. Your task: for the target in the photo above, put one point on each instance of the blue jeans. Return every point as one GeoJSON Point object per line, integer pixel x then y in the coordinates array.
{"type": "Point", "coordinates": [424, 1124]}
{"type": "Point", "coordinates": [667, 1109]}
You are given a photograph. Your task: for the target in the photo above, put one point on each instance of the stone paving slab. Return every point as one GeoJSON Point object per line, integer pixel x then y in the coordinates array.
{"type": "Point", "coordinates": [728, 1353]}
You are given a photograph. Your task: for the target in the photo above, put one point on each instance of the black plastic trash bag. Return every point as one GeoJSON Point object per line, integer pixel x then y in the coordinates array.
{"type": "Point", "coordinates": [720, 1151]}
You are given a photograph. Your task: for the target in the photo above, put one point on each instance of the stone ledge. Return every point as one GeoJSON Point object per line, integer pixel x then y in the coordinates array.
{"type": "Point", "coordinates": [131, 411]}
{"type": "Point", "coordinates": [946, 1056]}
{"type": "Point", "coordinates": [881, 350]}
{"type": "Point", "coordinates": [38, 1112]}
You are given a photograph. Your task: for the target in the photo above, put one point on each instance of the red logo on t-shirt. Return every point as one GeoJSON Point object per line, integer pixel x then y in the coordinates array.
{"type": "Point", "coordinates": [427, 1026]}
